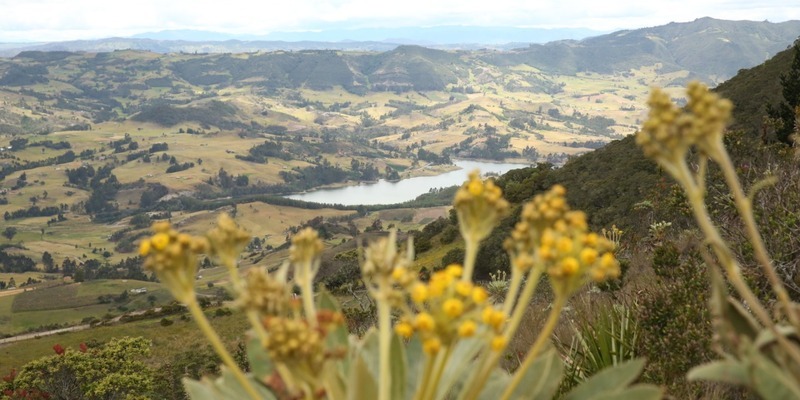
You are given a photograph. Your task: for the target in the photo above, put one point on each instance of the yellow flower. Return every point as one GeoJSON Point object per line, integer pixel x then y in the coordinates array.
{"type": "Point", "coordinates": [492, 317]}
{"type": "Point", "coordinates": [564, 245]}
{"type": "Point", "coordinates": [306, 246]}
{"type": "Point", "coordinates": [436, 287]}
{"type": "Point", "coordinates": [499, 343]}
{"type": "Point", "coordinates": [475, 187]}
{"type": "Point", "coordinates": [608, 262]}
{"type": "Point", "coordinates": [479, 295]}
{"type": "Point", "coordinates": [591, 239]}
{"type": "Point", "coordinates": [404, 329]}
{"type": "Point", "coordinates": [419, 293]}
{"type": "Point", "coordinates": [431, 345]}
{"type": "Point", "coordinates": [523, 262]}
{"type": "Point", "coordinates": [398, 273]}
{"type": "Point", "coordinates": [569, 266]}
{"type": "Point", "coordinates": [160, 241]}
{"type": "Point", "coordinates": [453, 307]}
{"type": "Point", "coordinates": [144, 248]}
{"type": "Point", "coordinates": [467, 328]}
{"type": "Point", "coordinates": [464, 289]}
{"type": "Point", "coordinates": [424, 322]}
{"type": "Point", "coordinates": [588, 256]}
{"type": "Point", "coordinates": [454, 270]}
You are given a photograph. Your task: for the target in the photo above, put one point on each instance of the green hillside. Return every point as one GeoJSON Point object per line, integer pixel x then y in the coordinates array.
{"type": "Point", "coordinates": [751, 90]}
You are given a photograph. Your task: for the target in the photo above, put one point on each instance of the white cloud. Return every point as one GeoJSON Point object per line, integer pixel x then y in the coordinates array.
{"type": "Point", "coordinates": [79, 19]}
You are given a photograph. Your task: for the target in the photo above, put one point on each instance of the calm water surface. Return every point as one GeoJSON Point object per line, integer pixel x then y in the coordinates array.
{"type": "Point", "coordinates": [384, 192]}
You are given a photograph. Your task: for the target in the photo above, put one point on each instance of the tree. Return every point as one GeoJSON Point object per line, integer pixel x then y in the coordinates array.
{"type": "Point", "coordinates": [47, 261]}
{"type": "Point", "coordinates": [783, 115]}
{"type": "Point", "coordinates": [10, 232]}
{"type": "Point", "coordinates": [113, 371]}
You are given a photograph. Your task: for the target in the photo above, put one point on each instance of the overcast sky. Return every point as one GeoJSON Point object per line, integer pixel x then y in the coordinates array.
{"type": "Point", "coordinates": [51, 20]}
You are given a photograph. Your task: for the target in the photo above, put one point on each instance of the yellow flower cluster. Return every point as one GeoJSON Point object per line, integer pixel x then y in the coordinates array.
{"type": "Point", "coordinates": [382, 258]}
{"type": "Point", "coordinates": [572, 254]}
{"type": "Point", "coordinates": [551, 235]}
{"type": "Point", "coordinates": [306, 246]}
{"type": "Point", "coordinates": [173, 257]}
{"type": "Point", "coordinates": [264, 294]}
{"type": "Point", "coordinates": [293, 342]}
{"type": "Point", "coordinates": [227, 240]}
{"type": "Point", "coordinates": [668, 133]}
{"type": "Point", "coordinates": [479, 205]}
{"type": "Point", "coordinates": [542, 212]}
{"type": "Point", "coordinates": [448, 309]}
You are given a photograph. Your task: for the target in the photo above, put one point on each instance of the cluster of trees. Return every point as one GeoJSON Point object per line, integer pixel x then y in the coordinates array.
{"type": "Point", "coordinates": [318, 175]}
{"type": "Point", "coordinates": [259, 153]}
{"type": "Point", "coordinates": [368, 171]}
{"type": "Point", "coordinates": [114, 370]}
{"type": "Point", "coordinates": [178, 167]}
{"type": "Point", "coordinates": [92, 269]}
{"type": "Point", "coordinates": [35, 211]}
{"type": "Point", "coordinates": [783, 114]}
{"type": "Point", "coordinates": [15, 262]}
{"type": "Point", "coordinates": [228, 181]}
{"type": "Point", "coordinates": [433, 158]}
{"type": "Point", "coordinates": [9, 168]}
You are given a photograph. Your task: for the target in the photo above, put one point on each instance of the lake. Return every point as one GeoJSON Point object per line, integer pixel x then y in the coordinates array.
{"type": "Point", "coordinates": [385, 192]}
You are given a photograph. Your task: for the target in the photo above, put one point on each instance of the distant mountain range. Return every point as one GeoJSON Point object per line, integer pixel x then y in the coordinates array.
{"type": "Point", "coordinates": [367, 39]}
{"type": "Point", "coordinates": [710, 49]}
{"type": "Point", "coordinates": [423, 36]}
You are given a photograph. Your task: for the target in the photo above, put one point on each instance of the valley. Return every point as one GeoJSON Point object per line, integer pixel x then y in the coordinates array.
{"type": "Point", "coordinates": [97, 146]}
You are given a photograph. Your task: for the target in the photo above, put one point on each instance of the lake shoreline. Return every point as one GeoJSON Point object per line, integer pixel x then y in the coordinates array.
{"type": "Point", "coordinates": [385, 192]}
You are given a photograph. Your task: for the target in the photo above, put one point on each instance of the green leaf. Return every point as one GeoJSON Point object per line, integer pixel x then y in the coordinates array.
{"type": "Point", "coordinates": [459, 365]}
{"type": "Point", "coordinates": [608, 381]}
{"type": "Point", "coordinates": [635, 392]}
{"type": "Point", "coordinates": [728, 371]}
{"type": "Point", "coordinates": [326, 301]}
{"type": "Point", "coordinates": [260, 363]}
{"type": "Point", "coordinates": [226, 387]}
{"type": "Point", "coordinates": [399, 366]}
{"type": "Point", "coordinates": [198, 390]}
{"type": "Point", "coordinates": [338, 338]}
{"type": "Point", "coordinates": [740, 319]}
{"type": "Point", "coordinates": [766, 337]}
{"type": "Point", "coordinates": [370, 352]}
{"type": "Point", "coordinates": [770, 381]}
{"type": "Point", "coordinates": [416, 364]}
{"type": "Point", "coordinates": [541, 380]}
{"type": "Point", "coordinates": [362, 385]}
{"type": "Point", "coordinates": [497, 383]}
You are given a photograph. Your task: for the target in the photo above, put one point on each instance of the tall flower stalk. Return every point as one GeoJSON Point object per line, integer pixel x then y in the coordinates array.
{"type": "Point", "coordinates": [447, 317]}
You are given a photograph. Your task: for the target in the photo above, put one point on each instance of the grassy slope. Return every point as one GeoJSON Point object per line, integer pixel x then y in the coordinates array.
{"type": "Point", "coordinates": [71, 303]}
{"type": "Point", "coordinates": [752, 89]}
{"type": "Point", "coordinates": [165, 339]}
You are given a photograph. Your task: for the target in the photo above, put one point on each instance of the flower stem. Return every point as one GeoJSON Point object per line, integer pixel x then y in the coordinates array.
{"type": "Point", "coordinates": [544, 336]}
{"type": "Point", "coordinates": [426, 376]}
{"type": "Point", "coordinates": [470, 254]}
{"type": "Point", "coordinates": [726, 259]}
{"type": "Point", "coordinates": [216, 343]}
{"type": "Point", "coordinates": [438, 370]}
{"type": "Point", "coordinates": [513, 290]}
{"type": "Point", "coordinates": [306, 287]}
{"type": "Point", "coordinates": [745, 208]}
{"type": "Point", "coordinates": [384, 341]}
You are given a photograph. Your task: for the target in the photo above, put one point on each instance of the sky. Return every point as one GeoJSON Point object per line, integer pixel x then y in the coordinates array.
{"type": "Point", "coordinates": [56, 20]}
